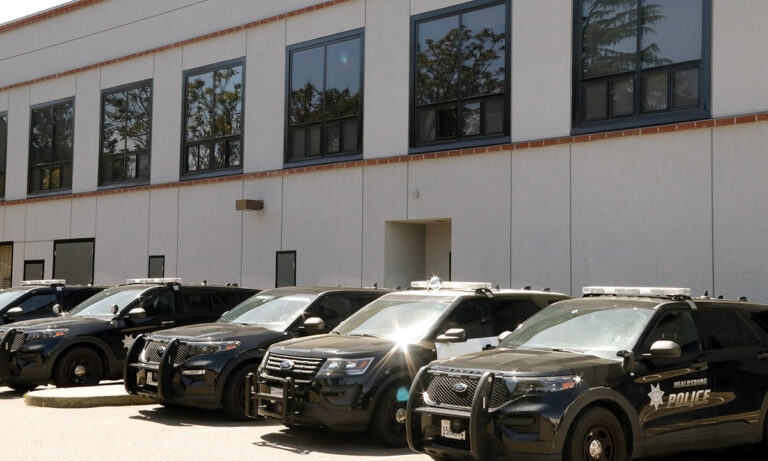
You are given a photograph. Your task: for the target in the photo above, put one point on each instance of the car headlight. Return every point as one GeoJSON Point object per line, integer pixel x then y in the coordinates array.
{"type": "Point", "coordinates": [349, 367]}
{"type": "Point", "coordinates": [212, 347]}
{"type": "Point", "coordinates": [544, 385]}
{"type": "Point", "coordinates": [45, 334]}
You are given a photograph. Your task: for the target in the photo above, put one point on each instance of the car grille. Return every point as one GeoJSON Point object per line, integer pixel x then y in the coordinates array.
{"type": "Point", "coordinates": [440, 391]}
{"type": "Point", "coordinates": [150, 354]}
{"type": "Point", "coordinates": [303, 367]}
{"type": "Point", "coordinates": [18, 341]}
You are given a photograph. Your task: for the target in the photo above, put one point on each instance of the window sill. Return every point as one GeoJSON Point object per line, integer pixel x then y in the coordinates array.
{"type": "Point", "coordinates": [211, 174]}
{"type": "Point", "coordinates": [455, 145]}
{"type": "Point", "coordinates": [31, 195]}
{"type": "Point", "coordinates": [122, 185]}
{"type": "Point", "coordinates": [647, 121]}
{"type": "Point", "coordinates": [322, 161]}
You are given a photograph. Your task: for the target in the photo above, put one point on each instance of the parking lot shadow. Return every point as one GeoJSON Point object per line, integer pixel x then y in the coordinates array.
{"type": "Point", "coordinates": [184, 416]}
{"type": "Point", "coordinates": [304, 441]}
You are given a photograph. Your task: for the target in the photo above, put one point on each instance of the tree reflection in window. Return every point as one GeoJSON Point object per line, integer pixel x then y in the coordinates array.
{"type": "Point", "coordinates": [51, 148]}
{"type": "Point", "coordinates": [126, 128]}
{"type": "Point", "coordinates": [3, 150]}
{"type": "Point", "coordinates": [324, 100]}
{"type": "Point", "coordinates": [639, 57]}
{"type": "Point", "coordinates": [460, 75]}
{"type": "Point", "coordinates": [213, 119]}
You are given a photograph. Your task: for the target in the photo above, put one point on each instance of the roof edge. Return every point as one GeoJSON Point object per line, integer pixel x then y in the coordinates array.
{"type": "Point", "coordinates": [46, 14]}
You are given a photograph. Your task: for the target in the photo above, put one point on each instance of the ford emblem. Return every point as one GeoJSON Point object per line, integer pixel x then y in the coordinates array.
{"type": "Point", "coordinates": [459, 388]}
{"type": "Point", "coordinates": [287, 365]}
{"type": "Point", "coordinates": [160, 350]}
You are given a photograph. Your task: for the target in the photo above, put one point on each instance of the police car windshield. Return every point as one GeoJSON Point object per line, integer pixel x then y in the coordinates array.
{"type": "Point", "coordinates": [595, 330]}
{"type": "Point", "coordinates": [10, 295]}
{"type": "Point", "coordinates": [99, 306]}
{"type": "Point", "coordinates": [400, 318]}
{"type": "Point", "coordinates": [272, 311]}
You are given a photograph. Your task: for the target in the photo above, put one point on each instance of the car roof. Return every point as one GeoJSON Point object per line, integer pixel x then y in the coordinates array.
{"type": "Point", "coordinates": [662, 302]}
{"type": "Point", "coordinates": [320, 290]}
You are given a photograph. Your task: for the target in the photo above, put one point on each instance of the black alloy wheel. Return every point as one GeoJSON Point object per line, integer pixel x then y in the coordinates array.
{"type": "Point", "coordinates": [233, 396]}
{"type": "Point", "coordinates": [81, 366]}
{"type": "Point", "coordinates": [388, 421]}
{"type": "Point", "coordinates": [596, 436]}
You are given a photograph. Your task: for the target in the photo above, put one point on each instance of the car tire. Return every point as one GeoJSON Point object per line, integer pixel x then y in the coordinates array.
{"type": "Point", "coordinates": [596, 435]}
{"type": "Point", "coordinates": [80, 366]}
{"type": "Point", "coordinates": [233, 395]}
{"type": "Point", "coordinates": [384, 425]}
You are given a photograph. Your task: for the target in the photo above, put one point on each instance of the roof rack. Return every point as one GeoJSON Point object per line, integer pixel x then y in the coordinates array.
{"type": "Point", "coordinates": [153, 281]}
{"type": "Point", "coordinates": [436, 284]}
{"type": "Point", "coordinates": [46, 282]}
{"type": "Point", "coordinates": [671, 292]}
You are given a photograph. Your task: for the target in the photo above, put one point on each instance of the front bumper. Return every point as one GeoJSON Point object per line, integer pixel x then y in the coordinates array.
{"type": "Point", "coordinates": [172, 380]}
{"type": "Point", "coordinates": [519, 431]}
{"type": "Point", "coordinates": [326, 403]}
{"type": "Point", "coordinates": [23, 363]}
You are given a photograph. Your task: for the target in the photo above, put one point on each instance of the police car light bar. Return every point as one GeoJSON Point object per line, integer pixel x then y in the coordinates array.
{"type": "Point", "coordinates": [44, 282]}
{"type": "Point", "coordinates": [637, 291]}
{"type": "Point", "coordinates": [152, 281]}
{"type": "Point", "coordinates": [436, 284]}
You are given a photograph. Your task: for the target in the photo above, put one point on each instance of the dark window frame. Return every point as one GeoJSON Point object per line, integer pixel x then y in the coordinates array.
{"type": "Point", "coordinates": [277, 266]}
{"type": "Point", "coordinates": [83, 240]}
{"type": "Point", "coordinates": [308, 45]}
{"type": "Point", "coordinates": [33, 261]}
{"type": "Point", "coordinates": [4, 155]}
{"type": "Point", "coordinates": [638, 118]}
{"type": "Point", "coordinates": [60, 190]}
{"type": "Point", "coordinates": [211, 172]}
{"type": "Point", "coordinates": [126, 182]}
{"type": "Point", "coordinates": [149, 264]}
{"type": "Point", "coordinates": [10, 277]}
{"type": "Point", "coordinates": [477, 140]}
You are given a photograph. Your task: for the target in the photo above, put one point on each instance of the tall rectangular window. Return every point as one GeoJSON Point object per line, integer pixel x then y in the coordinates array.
{"type": "Point", "coordinates": [325, 90]}
{"type": "Point", "coordinates": [461, 75]}
{"type": "Point", "coordinates": [640, 62]}
{"type": "Point", "coordinates": [34, 269]}
{"type": "Point", "coordinates": [126, 125]}
{"type": "Point", "coordinates": [285, 271]}
{"type": "Point", "coordinates": [3, 150]}
{"type": "Point", "coordinates": [156, 267]}
{"type": "Point", "coordinates": [51, 147]}
{"type": "Point", "coordinates": [213, 119]}
{"type": "Point", "coordinates": [6, 265]}
{"type": "Point", "coordinates": [73, 261]}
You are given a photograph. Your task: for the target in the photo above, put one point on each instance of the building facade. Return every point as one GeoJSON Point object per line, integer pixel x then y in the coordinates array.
{"type": "Point", "coordinates": [552, 143]}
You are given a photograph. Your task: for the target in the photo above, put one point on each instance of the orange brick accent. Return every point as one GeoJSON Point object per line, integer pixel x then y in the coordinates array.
{"type": "Point", "coordinates": [52, 13]}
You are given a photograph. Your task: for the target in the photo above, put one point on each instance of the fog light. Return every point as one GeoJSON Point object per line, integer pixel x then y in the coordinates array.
{"type": "Point", "coordinates": [193, 372]}
{"type": "Point", "coordinates": [458, 425]}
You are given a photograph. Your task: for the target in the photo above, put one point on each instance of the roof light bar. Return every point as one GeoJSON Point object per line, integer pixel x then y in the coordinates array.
{"type": "Point", "coordinates": [152, 281]}
{"type": "Point", "coordinates": [44, 282]}
{"type": "Point", "coordinates": [637, 291]}
{"type": "Point", "coordinates": [436, 284]}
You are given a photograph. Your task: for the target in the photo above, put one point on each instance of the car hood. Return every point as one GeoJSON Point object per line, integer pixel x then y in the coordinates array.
{"type": "Point", "coordinates": [528, 362]}
{"type": "Point", "coordinates": [333, 345]}
{"type": "Point", "coordinates": [54, 322]}
{"type": "Point", "coordinates": [218, 331]}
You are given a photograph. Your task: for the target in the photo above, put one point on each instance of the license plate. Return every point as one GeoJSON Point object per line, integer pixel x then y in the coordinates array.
{"type": "Point", "coordinates": [276, 391]}
{"type": "Point", "coordinates": [151, 378]}
{"type": "Point", "coordinates": [445, 431]}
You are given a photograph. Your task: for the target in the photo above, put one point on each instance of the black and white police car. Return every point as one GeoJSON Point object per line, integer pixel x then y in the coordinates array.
{"type": "Point", "coordinates": [621, 373]}
{"type": "Point", "coordinates": [34, 299]}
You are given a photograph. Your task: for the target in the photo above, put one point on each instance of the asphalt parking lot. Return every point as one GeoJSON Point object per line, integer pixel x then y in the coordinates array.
{"type": "Point", "coordinates": [145, 432]}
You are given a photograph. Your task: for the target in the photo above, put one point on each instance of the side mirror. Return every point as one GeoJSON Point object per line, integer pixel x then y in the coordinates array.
{"type": "Point", "coordinates": [57, 309]}
{"type": "Point", "coordinates": [504, 335]}
{"type": "Point", "coordinates": [14, 312]}
{"type": "Point", "coordinates": [314, 325]}
{"type": "Point", "coordinates": [115, 309]}
{"type": "Point", "coordinates": [454, 335]}
{"type": "Point", "coordinates": [137, 313]}
{"type": "Point", "coordinates": [665, 349]}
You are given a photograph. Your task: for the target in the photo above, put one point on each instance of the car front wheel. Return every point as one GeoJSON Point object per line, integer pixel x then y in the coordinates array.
{"type": "Point", "coordinates": [80, 366]}
{"type": "Point", "coordinates": [388, 422]}
{"type": "Point", "coordinates": [596, 436]}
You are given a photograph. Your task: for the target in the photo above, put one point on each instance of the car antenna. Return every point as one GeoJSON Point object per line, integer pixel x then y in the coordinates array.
{"type": "Point", "coordinates": [742, 298]}
{"type": "Point", "coordinates": [547, 290]}
{"type": "Point", "coordinates": [527, 287]}
{"type": "Point", "coordinates": [375, 284]}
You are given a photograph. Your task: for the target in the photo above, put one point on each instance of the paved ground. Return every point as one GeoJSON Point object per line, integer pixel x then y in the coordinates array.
{"type": "Point", "coordinates": [149, 432]}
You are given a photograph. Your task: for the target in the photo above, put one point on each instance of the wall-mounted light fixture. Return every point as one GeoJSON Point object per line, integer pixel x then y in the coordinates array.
{"type": "Point", "coordinates": [249, 205]}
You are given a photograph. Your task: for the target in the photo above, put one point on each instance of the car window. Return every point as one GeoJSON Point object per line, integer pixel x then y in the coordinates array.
{"type": "Point", "coordinates": [474, 316]}
{"type": "Point", "coordinates": [72, 298]}
{"type": "Point", "coordinates": [510, 313]}
{"type": "Point", "coordinates": [332, 308]}
{"type": "Point", "coordinates": [159, 303]}
{"type": "Point", "coordinates": [39, 304]}
{"type": "Point", "coordinates": [724, 329]}
{"type": "Point", "coordinates": [677, 326]}
{"type": "Point", "coordinates": [196, 301]}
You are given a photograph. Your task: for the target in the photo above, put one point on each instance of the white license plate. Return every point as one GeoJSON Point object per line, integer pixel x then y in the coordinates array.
{"type": "Point", "coordinates": [151, 378]}
{"type": "Point", "coordinates": [276, 391]}
{"type": "Point", "coordinates": [445, 431]}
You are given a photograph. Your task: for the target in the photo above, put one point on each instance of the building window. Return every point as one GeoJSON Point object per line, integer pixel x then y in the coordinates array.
{"type": "Point", "coordinates": [126, 124]}
{"type": "Point", "coordinates": [213, 119]}
{"type": "Point", "coordinates": [640, 62]}
{"type": "Point", "coordinates": [156, 267]}
{"type": "Point", "coordinates": [461, 75]}
{"type": "Point", "coordinates": [325, 98]}
{"type": "Point", "coordinates": [51, 147]}
{"type": "Point", "coordinates": [73, 261]}
{"type": "Point", "coordinates": [6, 264]}
{"type": "Point", "coordinates": [34, 269]}
{"type": "Point", "coordinates": [3, 150]}
{"type": "Point", "coordinates": [285, 271]}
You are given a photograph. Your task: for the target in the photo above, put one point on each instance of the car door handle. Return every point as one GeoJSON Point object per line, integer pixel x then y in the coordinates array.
{"type": "Point", "coordinates": [167, 323]}
{"type": "Point", "coordinates": [762, 356]}
{"type": "Point", "coordinates": [700, 366]}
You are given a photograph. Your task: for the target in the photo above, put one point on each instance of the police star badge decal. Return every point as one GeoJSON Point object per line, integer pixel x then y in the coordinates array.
{"type": "Point", "coordinates": [657, 396]}
{"type": "Point", "coordinates": [128, 341]}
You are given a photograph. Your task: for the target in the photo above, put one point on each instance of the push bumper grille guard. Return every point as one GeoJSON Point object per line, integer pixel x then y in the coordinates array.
{"type": "Point", "coordinates": [165, 370]}
{"type": "Point", "coordinates": [255, 400]}
{"type": "Point", "coordinates": [478, 417]}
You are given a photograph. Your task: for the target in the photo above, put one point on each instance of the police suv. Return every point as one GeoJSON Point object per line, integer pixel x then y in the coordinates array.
{"type": "Point", "coordinates": [89, 343]}
{"type": "Point", "coordinates": [357, 377]}
{"type": "Point", "coordinates": [623, 372]}
{"type": "Point", "coordinates": [34, 299]}
{"type": "Point", "coordinates": [205, 365]}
